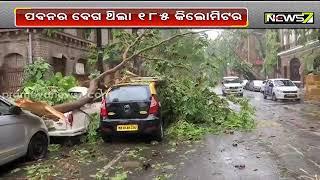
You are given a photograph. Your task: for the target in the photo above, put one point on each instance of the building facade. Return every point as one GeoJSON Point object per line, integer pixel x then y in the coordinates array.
{"type": "Point", "coordinates": [66, 50]}
{"type": "Point", "coordinates": [296, 59]}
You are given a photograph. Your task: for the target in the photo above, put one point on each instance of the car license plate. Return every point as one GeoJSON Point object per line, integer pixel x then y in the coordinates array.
{"type": "Point", "coordinates": [129, 127]}
{"type": "Point", "coordinates": [291, 95]}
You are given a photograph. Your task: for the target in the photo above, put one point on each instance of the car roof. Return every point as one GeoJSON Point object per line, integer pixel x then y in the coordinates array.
{"type": "Point", "coordinates": [78, 89]}
{"type": "Point", "coordinates": [230, 77]}
{"type": "Point", "coordinates": [132, 84]}
{"type": "Point", "coordinates": [279, 79]}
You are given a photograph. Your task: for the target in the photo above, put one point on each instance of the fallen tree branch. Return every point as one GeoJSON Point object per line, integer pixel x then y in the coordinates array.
{"type": "Point", "coordinates": [160, 59]}
{"type": "Point", "coordinates": [93, 86]}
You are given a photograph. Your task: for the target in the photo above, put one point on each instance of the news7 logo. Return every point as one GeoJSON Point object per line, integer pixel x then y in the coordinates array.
{"type": "Point", "coordinates": [288, 18]}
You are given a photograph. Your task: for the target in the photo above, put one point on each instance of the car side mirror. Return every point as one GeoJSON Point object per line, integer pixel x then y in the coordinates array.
{"type": "Point", "coordinates": [15, 110]}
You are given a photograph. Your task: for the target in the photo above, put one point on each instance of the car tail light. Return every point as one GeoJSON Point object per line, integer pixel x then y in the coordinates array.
{"type": "Point", "coordinates": [154, 105]}
{"type": "Point", "coordinates": [70, 119]}
{"type": "Point", "coordinates": [103, 110]}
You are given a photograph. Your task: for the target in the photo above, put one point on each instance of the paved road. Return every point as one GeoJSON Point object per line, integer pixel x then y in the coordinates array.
{"type": "Point", "coordinates": [285, 145]}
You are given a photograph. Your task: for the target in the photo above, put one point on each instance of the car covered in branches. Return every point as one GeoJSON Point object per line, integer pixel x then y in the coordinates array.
{"type": "Point", "coordinates": [75, 123]}
{"type": "Point", "coordinates": [131, 108]}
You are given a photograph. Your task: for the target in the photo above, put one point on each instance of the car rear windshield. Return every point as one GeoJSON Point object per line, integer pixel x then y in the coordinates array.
{"type": "Point", "coordinates": [283, 83]}
{"type": "Point", "coordinates": [129, 93]}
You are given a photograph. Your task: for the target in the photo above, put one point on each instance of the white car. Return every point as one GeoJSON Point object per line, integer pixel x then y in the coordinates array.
{"type": "Point", "coordinates": [76, 122]}
{"type": "Point", "coordinates": [232, 85]}
{"type": "Point", "coordinates": [283, 89]}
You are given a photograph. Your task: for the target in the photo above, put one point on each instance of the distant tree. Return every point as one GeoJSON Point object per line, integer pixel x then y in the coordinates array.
{"type": "Point", "coordinates": [272, 49]}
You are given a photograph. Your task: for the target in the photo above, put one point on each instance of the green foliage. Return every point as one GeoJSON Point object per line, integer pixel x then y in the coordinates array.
{"type": "Point", "coordinates": [40, 171]}
{"type": "Point", "coordinates": [189, 70]}
{"type": "Point", "coordinates": [92, 134]}
{"type": "Point", "coordinates": [36, 71]}
{"type": "Point", "coordinates": [64, 82]}
{"type": "Point", "coordinates": [229, 50]}
{"type": "Point", "coordinates": [54, 147]}
{"type": "Point", "coordinates": [120, 176]}
{"type": "Point", "coordinates": [41, 85]}
{"type": "Point", "coordinates": [272, 49]}
{"type": "Point", "coordinates": [187, 101]}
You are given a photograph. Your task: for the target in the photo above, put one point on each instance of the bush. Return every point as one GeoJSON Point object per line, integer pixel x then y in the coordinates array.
{"type": "Point", "coordinates": [93, 135]}
{"type": "Point", "coordinates": [194, 110]}
{"type": "Point", "coordinates": [40, 84]}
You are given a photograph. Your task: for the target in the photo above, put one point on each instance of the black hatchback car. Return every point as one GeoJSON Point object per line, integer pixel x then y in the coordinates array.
{"type": "Point", "coordinates": [131, 108]}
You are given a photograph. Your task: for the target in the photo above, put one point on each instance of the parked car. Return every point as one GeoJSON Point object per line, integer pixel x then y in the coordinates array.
{"type": "Point", "coordinates": [75, 123]}
{"type": "Point", "coordinates": [232, 85]}
{"type": "Point", "coordinates": [244, 82]}
{"type": "Point", "coordinates": [263, 86]}
{"type": "Point", "coordinates": [281, 89]}
{"type": "Point", "coordinates": [21, 134]}
{"type": "Point", "coordinates": [255, 85]}
{"type": "Point", "coordinates": [132, 108]}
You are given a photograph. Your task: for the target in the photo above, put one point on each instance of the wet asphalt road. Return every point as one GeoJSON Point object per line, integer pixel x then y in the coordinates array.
{"type": "Point", "coordinates": [285, 145]}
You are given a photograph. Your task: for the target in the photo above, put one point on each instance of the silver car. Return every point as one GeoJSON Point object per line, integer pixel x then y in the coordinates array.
{"type": "Point", "coordinates": [21, 134]}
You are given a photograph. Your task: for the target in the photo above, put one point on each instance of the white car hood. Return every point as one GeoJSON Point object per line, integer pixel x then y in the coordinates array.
{"type": "Point", "coordinates": [232, 85]}
{"type": "Point", "coordinates": [287, 88]}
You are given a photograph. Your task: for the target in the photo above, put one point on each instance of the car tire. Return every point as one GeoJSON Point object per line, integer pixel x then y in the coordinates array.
{"type": "Point", "coordinates": [241, 95]}
{"type": "Point", "coordinates": [274, 97]}
{"type": "Point", "coordinates": [38, 146]}
{"type": "Point", "coordinates": [264, 96]}
{"type": "Point", "coordinates": [106, 138]}
{"type": "Point", "coordinates": [159, 133]}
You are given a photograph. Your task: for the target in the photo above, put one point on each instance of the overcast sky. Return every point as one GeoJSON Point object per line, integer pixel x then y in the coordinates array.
{"type": "Point", "coordinates": [212, 33]}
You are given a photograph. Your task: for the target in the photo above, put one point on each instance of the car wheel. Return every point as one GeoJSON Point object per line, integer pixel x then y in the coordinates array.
{"type": "Point", "coordinates": [274, 97]}
{"type": "Point", "coordinates": [106, 138]}
{"type": "Point", "coordinates": [241, 95]}
{"type": "Point", "coordinates": [38, 146]}
{"type": "Point", "coordinates": [160, 133]}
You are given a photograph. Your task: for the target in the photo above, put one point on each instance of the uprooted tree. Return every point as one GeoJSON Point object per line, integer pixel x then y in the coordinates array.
{"type": "Point", "coordinates": [181, 58]}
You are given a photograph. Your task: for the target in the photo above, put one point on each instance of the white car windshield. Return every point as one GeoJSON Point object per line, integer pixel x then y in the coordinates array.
{"type": "Point", "coordinates": [283, 83]}
{"type": "Point", "coordinates": [226, 81]}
